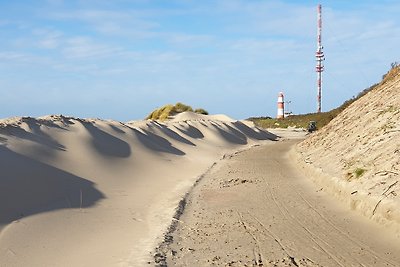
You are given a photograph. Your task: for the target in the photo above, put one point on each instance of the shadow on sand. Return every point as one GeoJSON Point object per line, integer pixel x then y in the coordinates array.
{"type": "Point", "coordinates": [191, 131]}
{"type": "Point", "coordinates": [156, 143]}
{"type": "Point", "coordinates": [29, 187]}
{"type": "Point", "coordinates": [251, 133]}
{"type": "Point", "coordinates": [170, 133]}
{"type": "Point", "coordinates": [36, 136]}
{"type": "Point", "coordinates": [107, 144]}
{"type": "Point", "coordinates": [232, 135]}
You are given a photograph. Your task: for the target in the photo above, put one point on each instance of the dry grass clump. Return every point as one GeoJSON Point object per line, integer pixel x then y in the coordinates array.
{"type": "Point", "coordinates": [201, 111]}
{"type": "Point", "coordinates": [395, 70]}
{"type": "Point", "coordinates": [169, 110]}
{"type": "Point", "coordinates": [355, 174]}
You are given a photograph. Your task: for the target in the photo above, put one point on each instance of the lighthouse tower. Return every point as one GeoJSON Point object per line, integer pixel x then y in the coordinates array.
{"type": "Point", "coordinates": [281, 106]}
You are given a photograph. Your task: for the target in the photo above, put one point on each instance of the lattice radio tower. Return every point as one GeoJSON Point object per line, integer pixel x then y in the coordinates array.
{"type": "Point", "coordinates": [319, 55]}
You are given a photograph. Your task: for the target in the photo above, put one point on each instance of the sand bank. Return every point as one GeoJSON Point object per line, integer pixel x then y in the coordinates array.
{"type": "Point", "coordinates": [356, 156]}
{"type": "Point", "coordinates": [91, 192]}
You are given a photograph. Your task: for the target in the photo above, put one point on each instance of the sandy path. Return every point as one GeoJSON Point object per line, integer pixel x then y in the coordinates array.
{"type": "Point", "coordinates": [256, 209]}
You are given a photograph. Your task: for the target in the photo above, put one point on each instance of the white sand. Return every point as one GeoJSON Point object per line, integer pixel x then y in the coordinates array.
{"type": "Point", "coordinates": [356, 156]}
{"type": "Point", "coordinates": [256, 208]}
{"type": "Point", "coordinates": [91, 192]}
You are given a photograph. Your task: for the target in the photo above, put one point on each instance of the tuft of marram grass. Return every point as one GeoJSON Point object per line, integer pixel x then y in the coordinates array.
{"type": "Point", "coordinates": [165, 112]}
{"type": "Point", "coordinates": [201, 111]}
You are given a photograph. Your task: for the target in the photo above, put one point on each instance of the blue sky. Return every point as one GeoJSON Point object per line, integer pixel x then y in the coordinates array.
{"type": "Point", "coordinates": [121, 59]}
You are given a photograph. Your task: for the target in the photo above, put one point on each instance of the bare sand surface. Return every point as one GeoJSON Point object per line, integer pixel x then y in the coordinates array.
{"type": "Point", "coordinates": [257, 208]}
{"type": "Point", "coordinates": [356, 157]}
{"type": "Point", "coordinates": [91, 192]}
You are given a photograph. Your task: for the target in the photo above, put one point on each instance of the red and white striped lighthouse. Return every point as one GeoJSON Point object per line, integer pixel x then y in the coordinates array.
{"type": "Point", "coordinates": [281, 106]}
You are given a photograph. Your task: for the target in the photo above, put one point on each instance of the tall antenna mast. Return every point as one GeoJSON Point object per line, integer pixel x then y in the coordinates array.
{"type": "Point", "coordinates": [319, 55]}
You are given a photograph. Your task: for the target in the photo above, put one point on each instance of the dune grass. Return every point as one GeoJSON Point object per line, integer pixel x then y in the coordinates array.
{"type": "Point", "coordinates": [166, 111]}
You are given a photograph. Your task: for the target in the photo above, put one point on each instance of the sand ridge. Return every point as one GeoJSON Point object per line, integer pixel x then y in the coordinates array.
{"type": "Point", "coordinates": [356, 156]}
{"type": "Point", "coordinates": [92, 192]}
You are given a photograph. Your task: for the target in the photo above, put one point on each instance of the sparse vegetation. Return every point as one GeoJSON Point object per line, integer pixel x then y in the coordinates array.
{"type": "Point", "coordinates": [323, 118]}
{"type": "Point", "coordinates": [390, 109]}
{"type": "Point", "coordinates": [388, 126]}
{"type": "Point", "coordinates": [394, 69]}
{"type": "Point", "coordinates": [169, 110]}
{"type": "Point", "coordinates": [201, 111]}
{"type": "Point", "coordinates": [180, 107]}
{"type": "Point", "coordinates": [297, 121]}
{"type": "Point", "coordinates": [359, 172]}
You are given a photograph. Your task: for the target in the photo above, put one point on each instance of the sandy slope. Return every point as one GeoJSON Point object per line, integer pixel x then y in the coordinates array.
{"type": "Point", "coordinates": [357, 156]}
{"type": "Point", "coordinates": [256, 208]}
{"type": "Point", "coordinates": [90, 192]}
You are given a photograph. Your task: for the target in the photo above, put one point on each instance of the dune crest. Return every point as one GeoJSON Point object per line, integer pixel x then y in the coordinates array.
{"type": "Point", "coordinates": [92, 192]}
{"type": "Point", "coordinates": [185, 116]}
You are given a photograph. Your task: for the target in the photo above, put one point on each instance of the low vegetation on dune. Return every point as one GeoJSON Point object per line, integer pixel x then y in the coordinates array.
{"type": "Point", "coordinates": [201, 111]}
{"type": "Point", "coordinates": [323, 118]}
{"type": "Point", "coordinates": [166, 111]}
{"type": "Point", "coordinates": [297, 121]}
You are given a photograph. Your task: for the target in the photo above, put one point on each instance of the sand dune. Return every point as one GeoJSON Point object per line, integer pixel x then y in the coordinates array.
{"type": "Point", "coordinates": [90, 192]}
{"type": "Point", "coordinates": [356, 156]}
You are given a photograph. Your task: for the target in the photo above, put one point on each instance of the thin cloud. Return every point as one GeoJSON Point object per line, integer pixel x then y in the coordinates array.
{"type": "Point", "coordinates": [48, 39]}
{"type": "Point", "coordinates": [17, 57]}
{"type": "Point", "coordinates": [108, 22]}
{"type": "Point", "coordinates": [84, 47]}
